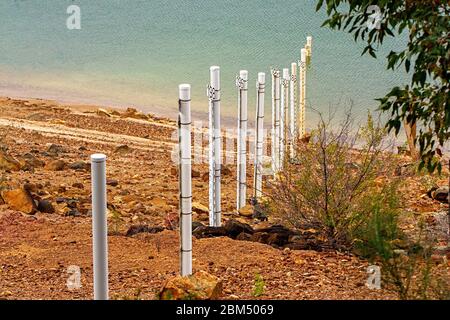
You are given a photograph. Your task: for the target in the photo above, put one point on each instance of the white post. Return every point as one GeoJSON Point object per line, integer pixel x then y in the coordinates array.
{"type": "Point", "coordinates": [242, 84]}
{"type": "Point", "coordinates": [309, 45]}
{"type": "Point", "coordinates": [284, 115]}
{"type": "Point", "coordinates": [302, 112]}
{"type": "Point", "coordinates": [215, 151]}
{"type": "Point", "coordinates": [261, 84]}
{"type": "Point", "coordinates": [99, 226]}
{"type": "Point", "coordinates": [293, 113]}
{"type": "Point", "coordinates": [276, 135]}
{"type": "Point", "coordinates": [272, 132]}
{"type": "Point", "coordinates": [184, 134]}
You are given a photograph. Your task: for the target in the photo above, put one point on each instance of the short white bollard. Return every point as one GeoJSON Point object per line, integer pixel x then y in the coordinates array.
{"type": "Point", "coordinates": [185, 176]}
{"type": "Point", "coordinates": [99, 226]}
{"type": "Point", "coordinates": [260, 84]}
{"type": "Point", "coordinates": [242, 85]}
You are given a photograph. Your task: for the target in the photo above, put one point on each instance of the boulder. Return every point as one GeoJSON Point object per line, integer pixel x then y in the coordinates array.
{"type": "Point", "coordinates": [440, 194]}
{"type": "Point", "coordinates": [199, 286]}
{"type": "Point", "coordinates": [233, 228]}
{"type": "Point", "coordinates": [19, 200]}
{"type": "Point", "coordinates": [8, 163]}
{"type": "Point", "coordinates": [135, 229]}
{"type": "Point", "coordinates": [112, 182]}
{"type": "Point", "coordinates": [80, 165]}
{"type": "Point", "coordinates": [103, 112]}
{"type": "Point", "coordinates": [246, 211]}
{"type": "Point", "coordinates": [225, 171]}
{"type": "Point", "coordinates": [55, 165]}
{"type": "Point", "coordinates": [122, 149]}
{"type": "Point", "coordinates": [45, 206]}
{"type": "Point", "coordinates": [31, 161]}
{"type": "Point", "coordinates": [199, 208]}
{"type": "Point", "coordinates": [56, 149]}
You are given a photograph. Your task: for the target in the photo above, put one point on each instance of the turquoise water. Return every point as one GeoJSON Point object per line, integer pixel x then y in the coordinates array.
{"type": "Point", "coordinates": [135, 53]}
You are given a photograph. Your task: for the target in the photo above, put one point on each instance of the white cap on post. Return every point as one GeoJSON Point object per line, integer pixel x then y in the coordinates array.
{"type": "Point", "coordinates": [215, 77]}
{"type": "Point", "coordinates": [185, 91]}
{"type": "Point", "coordinates": [243, 74]}
{"type": "Point", "coordinates": [261, 77]}
{"type": "Point", "coordinates": [286, 73]}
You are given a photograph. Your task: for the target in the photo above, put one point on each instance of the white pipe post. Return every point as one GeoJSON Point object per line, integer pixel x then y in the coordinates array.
{"type": "Point", "coordinates": [309, 45]}
{"type": "Point", "coordinates": [276, 142]}
{"type": "Point", "coordinates": [293, 106]}
{"type": "Point", "coordinates": [214, 147]}
{"type": "Point", "coordinates": [99, 226]}
{"type": "Point", "coordinates": [258, 168]}
{"type": "Point", "coordinates": [185, 176]}
{"type": "Point", "coordinates": [272, 132]}
{"type": "Point", "coordinates": [302, 113]}
{"type": "Point", "coordinates": [242, 85]}
{"type": "Point", "coordinates": [284, 115]}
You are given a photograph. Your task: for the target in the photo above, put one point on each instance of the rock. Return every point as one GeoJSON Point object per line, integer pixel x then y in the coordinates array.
{"type": "Point", "coordinates": [31, 161]}
{"type": "Point", "coordinates": [112, 182]}
{"type": "Point", "coordinates": [205, 177]}
{"type": "Point", "coordinates": [195, 174]}
{"type": "Point", "coordinates": [20, 200]}
{"type": "Point", "coordinates": [174, 171]}
{"type": "Point", "coordinates": [225, 171]}
{"type": "Point", "coordinates": [143, 229]}
{"type": "Point", "coordinates": [8, 163]}
{"type": "Point", "coordinates": [196, 224]}
{"type": "Point", "coordinates": [56, 149]}
{"type": "Point", "coordinates": [78, 185]}
{"type": "Point", "coordinates": [244, 237]}
{"type": "Point", "coordinates": [45, 206]}
{"type": "Point", "coordinates": [440, 194]}
{"type": "Point", "coordinates": [55, 165]}
{"type": "Point", "coordinates": [80, 165]}
{"type": "Point", "coordinates": [199, 286]}
{"type": "Point", "coordinates": [261, 237]}
{"type": "Point", "coordinates": [122, 149]}
{"type": "Point", "coordinates": [199, 208]}
{"type": "Point", "coordinates": [103, 113]}
{"type": "Point", "coordinates": [209, 232]}
{"type": "Point", "coordinates": [246, 211]}
{"type": "Point", "coordinates": [233, 228]}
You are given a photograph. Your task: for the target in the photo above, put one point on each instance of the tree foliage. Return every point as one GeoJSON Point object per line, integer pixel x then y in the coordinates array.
{"type": "Point", "coordinates": [425, 101]}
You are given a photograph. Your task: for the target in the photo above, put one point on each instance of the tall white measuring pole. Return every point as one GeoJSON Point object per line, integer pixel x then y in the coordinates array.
{"type": "Point", "coordinates": [185, 172]}
{"type": "Point", "coordinates": [302, 113]}
{"type": "Point", "coordinates": [99, 226]}
{"type": "Point", "coordinates": [293, 109]}
{"type": "Point", "coordinates": [260, 85]}
{"type": "Point", "coordinates": [242, 85]}
{"type": "Point", "coordinates": [276, 122]}
{"type": "Point", "coordinates": [284, 114]}
{"type": "Point", "coordinates": [215, 148]}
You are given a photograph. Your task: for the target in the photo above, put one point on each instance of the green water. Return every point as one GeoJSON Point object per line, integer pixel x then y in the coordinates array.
{"type": "Point", "coordinates": [135, 53]}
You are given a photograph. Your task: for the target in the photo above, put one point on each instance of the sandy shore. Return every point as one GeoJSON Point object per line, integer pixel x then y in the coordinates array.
{"type": "Point", "coordinates": [36, 250]}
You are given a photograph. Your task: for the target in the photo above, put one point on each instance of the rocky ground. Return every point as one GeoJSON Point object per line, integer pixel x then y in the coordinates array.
{"type": "Point", "coordinates": [45, 217]}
